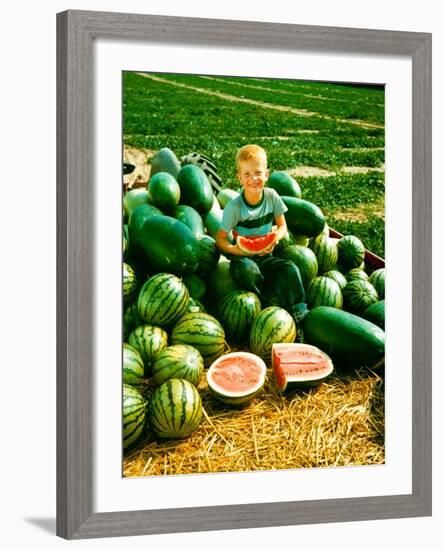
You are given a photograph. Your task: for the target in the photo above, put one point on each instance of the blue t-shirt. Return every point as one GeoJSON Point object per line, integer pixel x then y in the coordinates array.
{"type": "Point", "coordinates": [246, 219]}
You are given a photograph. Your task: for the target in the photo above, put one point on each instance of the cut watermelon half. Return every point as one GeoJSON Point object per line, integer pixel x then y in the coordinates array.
{"type": "Point", "coordinates": [256, 244]}
{"type": "Point", "coordinates": [299, 366]}
{"type": "Point", "coordinates": [235, 378]}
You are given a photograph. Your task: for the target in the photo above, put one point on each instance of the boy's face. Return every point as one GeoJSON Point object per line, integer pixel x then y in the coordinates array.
{"type": "Point", "coordinates": [253, 174]}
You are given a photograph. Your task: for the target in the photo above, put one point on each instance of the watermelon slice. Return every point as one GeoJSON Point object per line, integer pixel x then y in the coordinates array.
{"type": "Point", "coordinates": [299, 366]}
{"type": "Point", "coordinates": [256, 244]}
{"type": "Point", "coordinates": [235, 378]}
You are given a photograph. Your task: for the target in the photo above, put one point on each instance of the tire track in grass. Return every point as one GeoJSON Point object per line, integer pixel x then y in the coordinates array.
{"type": "Point", "coordinates": [228, 97]}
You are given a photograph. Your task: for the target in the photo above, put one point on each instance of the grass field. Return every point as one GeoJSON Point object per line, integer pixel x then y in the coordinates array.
{"type": "Point", "coordinates": [330, 137]}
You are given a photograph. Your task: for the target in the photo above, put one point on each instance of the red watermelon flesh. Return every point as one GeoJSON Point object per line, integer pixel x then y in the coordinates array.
{"type": "Point", "coordinates": [299, 365]}
{"type": "Point", "coordinates": [256, 244]}
{"type": "Point", "coordinates": [236, 377]}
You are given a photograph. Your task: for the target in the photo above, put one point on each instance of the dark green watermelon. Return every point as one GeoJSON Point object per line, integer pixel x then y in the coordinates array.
{"type": "Point", "coordinates": [165, 244]}
{"type": "Point", "coordinates": [196, 191]}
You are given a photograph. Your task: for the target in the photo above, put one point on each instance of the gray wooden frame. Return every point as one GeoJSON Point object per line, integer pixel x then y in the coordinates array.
{"type": "Point", "coordinates": [76, 32]}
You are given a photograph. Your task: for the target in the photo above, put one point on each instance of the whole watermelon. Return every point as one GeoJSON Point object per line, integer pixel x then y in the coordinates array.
{"type": "Point", "coordinates": [166, 245]}
{"type": "Point", "coordinates": [134, 413]}
{"type": "Point", "coordinates": [202, 331]}
{"type": "Point", "coordinates": [358, 295]}
{"type": "Point", "coordinates": [195, 189]}
{"type": "Point", "coordinates": [271, 326]}
{"type": "Point", "coordinates": [175, 409]}
{"type": "Point", "coordinates": [236, 312]}
{"type": "Point", "coordinates": [162, 300]}
{"type": "Point", "coordinates": [351, 252]}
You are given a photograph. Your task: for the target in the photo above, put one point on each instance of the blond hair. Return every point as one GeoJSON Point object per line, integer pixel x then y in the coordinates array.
{"type": "Point", "coordinates": [249, 152]}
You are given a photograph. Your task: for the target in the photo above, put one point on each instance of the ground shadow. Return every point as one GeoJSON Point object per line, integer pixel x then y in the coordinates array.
{"type": "Point", "coordinates": [46, 524]}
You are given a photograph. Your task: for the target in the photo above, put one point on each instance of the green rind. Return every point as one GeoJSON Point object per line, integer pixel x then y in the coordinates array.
{"type": "Point", "coordinates": [133, 368]}
{"type": "Point", "coordinates": [337, 276]}
{"type": "Point", "coordinates": [179, 361]}
{"type": "Point", "coordinates": [358, 295]}
{"type": "Point", "coordinates": [190, 217]}
{"type": "Point", "coordinates": [175, 409]}
{"type": "Point", "coordinates": [284, 184]}
{"type": "Point", "coordinates": [377, 280]}
{"type": "Point", "coordinates": [351, 252]}
{"type": "Point", "coordinates": [208, 255]}
{"type": "Point", "coordinates": [303, 217]}
{"type": "Point", "coordinates": [226, 195]}
{"type": "Point", "coordinates": [166, 245]}
{"type": "Point", "coordinates": [164, 191]}
{"type": "Point", "coordinates": [148, 340]}
{"type": "Point", "coordinates": [236, 313]}
{"type": "Point", "coordinates": [272, 325]}
{"type": "Point", "coordinates": [130, 282]}
{"type": "Point", "coordinates": [356, 274]}
{"type": "Point", "coordinates": [202, 331]}
{"type": "Point", "coordinates": [326, 253]}
{"type": "Point", "coordinates": [324, 291]}
{"type": "Point", "coordinates": [376, 314]}
{"type": "Point", "coordinates": [346, 338]}
{"type": "Point", "coordinates": [162, 300]}
{"type": "Point", "coordinates": [305, 259]}
{"type": "Point", "coordinates": [134, 415]}
{"type": "Point", "coordinates": [196, 190]}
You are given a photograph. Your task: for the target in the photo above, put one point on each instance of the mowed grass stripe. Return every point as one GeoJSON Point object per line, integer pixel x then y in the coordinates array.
{"type": "Point", "coordinates": [276, 86]}
{"type": "Point", "coordinates": [350, 110]}
{"type": "Point", "coordinates": [276, 107]}
{"type": "Point", "coordinates": [349, 91]}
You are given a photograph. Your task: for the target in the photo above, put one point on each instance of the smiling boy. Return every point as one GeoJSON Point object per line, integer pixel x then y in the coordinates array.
{"type": "Point", "coordinates": [254, 212]}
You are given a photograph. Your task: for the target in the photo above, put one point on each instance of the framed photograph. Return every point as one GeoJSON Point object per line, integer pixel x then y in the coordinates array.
{"type": "Point", "coordinates": [167, 120]}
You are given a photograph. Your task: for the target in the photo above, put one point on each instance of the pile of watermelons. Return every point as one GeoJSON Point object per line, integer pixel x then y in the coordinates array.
{"type": "Point", "coordinates": [183, 310]}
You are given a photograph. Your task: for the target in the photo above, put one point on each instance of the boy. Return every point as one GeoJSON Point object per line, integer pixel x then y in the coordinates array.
{"type": "Point", "coordinates": [254, 212]}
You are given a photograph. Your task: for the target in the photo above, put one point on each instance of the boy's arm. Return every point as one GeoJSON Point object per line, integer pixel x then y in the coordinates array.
{"type": "Point", "coordinates": [222, 241]}
{"type": "Point", "coordinates": [282, 229]}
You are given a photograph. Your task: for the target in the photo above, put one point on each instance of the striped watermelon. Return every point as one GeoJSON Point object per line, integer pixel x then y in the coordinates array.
{"type": "Point", "coordinates": [377, 280]}
{"type": "Point", "coordinates": [175, 409]}
{"type": "Point", "coordinates": [351, 252]}
{"type": "Point", "coordinates": [337, 276]}
{"type": "Point", "coordinates": [202, 331]}
{"type": "Point", "coordinates": [324, 291]}
{"type": "Point", "coordinates": [134, 415]}
{"type": "Point", "coordinates": [129, 281]}
{"type": "Point", "coordinates": [271, 326]}
{"type": "Point", "coordinates": [148, 340]}
{"type": "Point", "coordinates": [236, 313]}
{"type": "Point", "coordinates": [356, 274]}
{"type": "Point", "coordinates": [194, 306]}
{"type": "Point", "coordinates": [179, 361]}
{"type": "Point", "coordinates": [325, 250]}
{"type": "Point", "coordinates": [208, 255]}
{"type": "Point", "coordinates": [162, 300]}
{"type": "Point", "coordinates": [305, 259]}
{"type": "Point", "coordinates": [358, 295]}
{"type": "Point", "coordinates": [133, 369]}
